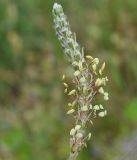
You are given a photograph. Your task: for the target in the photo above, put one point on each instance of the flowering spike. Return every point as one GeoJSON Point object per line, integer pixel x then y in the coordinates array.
{"type": "Point", "coordinates": [87, 82]}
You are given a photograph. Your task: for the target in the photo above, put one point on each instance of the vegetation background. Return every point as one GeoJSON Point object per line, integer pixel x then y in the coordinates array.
{"type": "Point", "coordinates": [33, 123]}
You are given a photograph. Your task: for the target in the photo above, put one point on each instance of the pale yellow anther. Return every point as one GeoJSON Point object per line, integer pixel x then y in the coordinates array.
{"type": "Point", "coordinates": [84, 108]}
{"type": "Point", "coordinates": [77, 73]}
{"type": "Point", "coordinates": [106, 96]}
{"type": "Point", "coordinates": [80, 66]}
{"type": "Point", "coordinates": [101, 107]}
{"type": "Point", "coordinates": [72, 132]}
{"type": "Point", "coordinates": [65, 84]}
{"type": "Point", "coordinates": [90, 106]}
{"type": "Point", "coordinates": [79, 135]}
{"type": "Point", "coordinates": [63, 77]}
{"type": "Point", "coordinates": [72, 92]}
{"type": "Point", "coordinates": [95, 61]}
{"type": "Point", "coordinates": [69, 104]}
{"type": "Point", "coordinates": [102, 68]}
{"type": "Point", "coordinates": [101, 114]}
{"type": "Point", "coordinates": [96, 107]}
{"type": "Point", "coordinates": [70, 111]}
{"type": "Point", "coordinates": [65, 90]}
{"type": "Point", "coordinates": [85, 90]}
{"type": "Point", "coordinates": [101, 90]}
{"type": "Point", "coordinates": [89, 57]}
{"type": "Point", "coordinates": [77, 127]}
{"type": "Point", "coordinates": [98, 82]}
{"type": "Point", "coordinates": [73, 103]}
{"type": "Point", "coordinates": [94, 67]}
{"type": "Point", "coordinates": [89, 136]}
{"type": "Point", "coordinates": [82, 80]}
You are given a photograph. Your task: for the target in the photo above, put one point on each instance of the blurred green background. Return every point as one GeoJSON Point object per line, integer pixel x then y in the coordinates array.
{"type": "Point", "coordinates": [33, 123]}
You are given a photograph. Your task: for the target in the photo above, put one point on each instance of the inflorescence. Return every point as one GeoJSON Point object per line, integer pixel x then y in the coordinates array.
{"type": "Point", "coordinates": [88, 83]}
